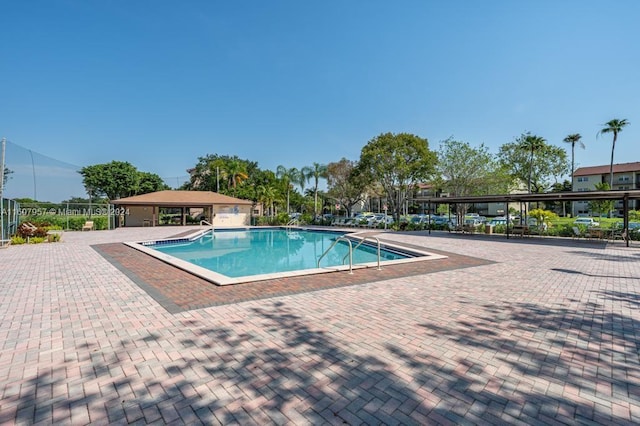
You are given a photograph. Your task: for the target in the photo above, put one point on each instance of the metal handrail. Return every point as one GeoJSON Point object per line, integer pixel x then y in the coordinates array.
{"type": "Point", "coordinates": [291, 223]}
{"type": "Point", "coordinates": [341, 238]}
{"type": "Point", "coordinates": [204, 222]}
{"type": "Point", "coordinates": [362, 240]}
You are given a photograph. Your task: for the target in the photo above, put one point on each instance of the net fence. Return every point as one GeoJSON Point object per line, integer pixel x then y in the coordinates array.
{"type": "Point", "coordinates": [44, 190]}
{"type": "Point", "coordinates": [40, 178]}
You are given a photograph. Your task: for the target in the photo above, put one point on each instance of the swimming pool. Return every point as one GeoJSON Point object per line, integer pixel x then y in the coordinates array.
{"type": "Point", "coordinates": [231, 256]}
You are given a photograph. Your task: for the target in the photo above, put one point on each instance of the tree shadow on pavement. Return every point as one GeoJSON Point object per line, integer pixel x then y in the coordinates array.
{"type": "Point", "coordinates": [573, 271]}
{"type": "Point", "coordinates": [537, 363]}
{"type": "Point", "coordinates": [514, 362]}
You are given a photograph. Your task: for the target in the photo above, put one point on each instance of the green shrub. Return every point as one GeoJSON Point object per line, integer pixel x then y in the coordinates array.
{"type": "Point", "coordinates": [266, 221]}
{"type": "Point", "coordinates": [17, 240]}
{"type": "Point", "coordinates": [282, 219]}
{"type": "Point", "coordinates": [36, 240]}
{"type": "Point", "coordinates": [500, 229]}
{"type": "Point", "coordinates": [54, 237]}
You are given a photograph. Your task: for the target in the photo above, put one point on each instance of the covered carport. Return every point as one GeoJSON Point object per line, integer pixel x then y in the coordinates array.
{"type": "Point", "coordinates": [622, 195]}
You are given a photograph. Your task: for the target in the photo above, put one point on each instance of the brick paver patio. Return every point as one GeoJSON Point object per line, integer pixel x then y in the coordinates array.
{"type": "Point", "coordinates": [517, 332]}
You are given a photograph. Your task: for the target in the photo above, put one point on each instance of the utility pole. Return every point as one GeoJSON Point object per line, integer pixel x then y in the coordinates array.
{"type": "Point", "coordinates": [2, 236]}
{"type": "Point", "coordinates": [4, 144]}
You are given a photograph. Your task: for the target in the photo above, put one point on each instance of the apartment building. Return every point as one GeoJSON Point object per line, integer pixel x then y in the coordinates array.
{"type": "Point", "coordinates": [625, 176]}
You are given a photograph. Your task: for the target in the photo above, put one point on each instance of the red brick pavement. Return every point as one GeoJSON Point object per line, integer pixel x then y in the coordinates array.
{"type": "Point", "coordinates": [178, 290]}
{"type": "Point", "coordinates": [541, 333]}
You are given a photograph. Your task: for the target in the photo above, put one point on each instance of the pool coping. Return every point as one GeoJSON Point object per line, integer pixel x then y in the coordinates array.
{"type": "Point", "coordinates": [223, 280]}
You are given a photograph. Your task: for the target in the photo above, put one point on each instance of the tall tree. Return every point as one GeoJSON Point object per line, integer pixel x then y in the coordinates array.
{"type": "Point", "coordinates": [304, 175]}
{"type": "Point", "coordinates": [150, 182]}
{"type": "Point", "coordinates": [614, 126]}
{"type": "Point", "coordinates": [573, 139]}
{"type": "Point", "coordinates": [602, 207]}
{"type": "Point", "coordinates": [224, 174]}
{"type": "Point", "coordinates": [531, 144]}
{"type": "Point", "coordinates": [345, 185]}
{"type": "Point", "coordinates": [266, 195]}
{"type": "Point", "coordinates": [116, 179]}
{"type": "Point", "coordinates": [317, 172]}
{"type": "Point", "coordinates": [398, 162]}
{"type": "Point", "coordinates": [464, 170]}
{"type": "Point", "coordinates": [288, 176]}
{"type": "Point", "coordinates": [560, 206]}
{"type": "Point", "coordinates": [236, 172]}
{"type": "Point", "coordinates": [548, 164]}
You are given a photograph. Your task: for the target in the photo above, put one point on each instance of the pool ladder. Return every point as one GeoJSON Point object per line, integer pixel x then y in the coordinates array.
{"type": "Point", "coordinates": [204, 222]}
{"type": "Point", "coordinates": [291, 223]}
{"type": "Point", "coordinates": [363, 238]}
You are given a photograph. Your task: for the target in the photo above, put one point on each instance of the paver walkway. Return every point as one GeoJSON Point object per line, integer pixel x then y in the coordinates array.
{"type": "Point", "coordinates": [539, 334]}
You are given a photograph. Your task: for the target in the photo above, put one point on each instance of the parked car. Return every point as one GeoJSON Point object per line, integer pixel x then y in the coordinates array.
{"type": "Point", "coordinates": [634, 227]}
{"type": "Point", "coordinates": [440, 220]}
{"type": "Point", "coordinates": [382, 218]}
{"type": "Point", "coordinates": [420, 218]}
{"type": "Point", "coordinates": [362, 219]}
{"type": "Point", "coordinates": [586, 221]}
{"type": "Point", "coordinates": [473, 221]}
{"type": "Point", "coordinates": [499, 220]}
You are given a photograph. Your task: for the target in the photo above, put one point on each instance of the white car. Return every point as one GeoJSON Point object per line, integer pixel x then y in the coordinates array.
{"type": "Point", "coordinates": [586, 221]}
{"type": "Point", "coordinates": [382, 218]}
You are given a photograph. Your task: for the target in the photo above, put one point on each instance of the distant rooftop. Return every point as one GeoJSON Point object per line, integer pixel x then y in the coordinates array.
{"type": "Point", "coordinates": [601, 170]}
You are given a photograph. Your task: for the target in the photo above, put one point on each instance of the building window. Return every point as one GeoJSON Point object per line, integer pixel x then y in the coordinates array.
{"type": "Point", "coordinates": [623, 179]}
{"type": "Point", "coordinates": [583, 179]}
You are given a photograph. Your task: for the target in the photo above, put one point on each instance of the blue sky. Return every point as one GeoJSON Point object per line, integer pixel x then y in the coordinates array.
{"type": "Point", "coordinates": [160, 83]}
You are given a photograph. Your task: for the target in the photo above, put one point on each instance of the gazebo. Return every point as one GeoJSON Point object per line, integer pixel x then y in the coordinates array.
{"type": "Point", "coordinates": [174, 207]}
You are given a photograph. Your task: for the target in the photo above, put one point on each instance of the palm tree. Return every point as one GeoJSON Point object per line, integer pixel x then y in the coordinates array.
{"type": "Point", "coordinates": [236, 171]}
{"type": "Point", "coordinates": [304, 175]}
{"type": "Point", "coordinates": [318, 171]}
{"type": "Point", "coordinates": [216, 170]}
{"type": "Point", "coordinates": [287, 176]}
{"type": "Point", "coordinates": [266, 195]}
{"type": "Point", "coordinates": [614, 126]}
{"type": "Point", "coordinates": [573, 139]}
{"type": "Point", "coordinates": [531, 144]}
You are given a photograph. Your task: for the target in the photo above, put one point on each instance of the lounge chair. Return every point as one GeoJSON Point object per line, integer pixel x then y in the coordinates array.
{"type": "Point", "coordinates": [88, 226]}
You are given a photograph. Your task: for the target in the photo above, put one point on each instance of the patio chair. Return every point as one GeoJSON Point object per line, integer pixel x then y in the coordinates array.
{"type": "Point", "coordinates": [88, 226]}
{"type": "Point", "coordinates": [618, 235]}
{"type": "Point", "coordinates": [577, 233]}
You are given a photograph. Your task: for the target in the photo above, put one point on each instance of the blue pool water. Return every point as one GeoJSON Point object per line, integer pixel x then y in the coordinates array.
{"type": "Point", "coordinates": [239, 253]}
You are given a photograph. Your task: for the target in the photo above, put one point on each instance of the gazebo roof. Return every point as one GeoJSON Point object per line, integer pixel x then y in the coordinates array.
{"type": "Point", "coordinates": [180, 198]}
